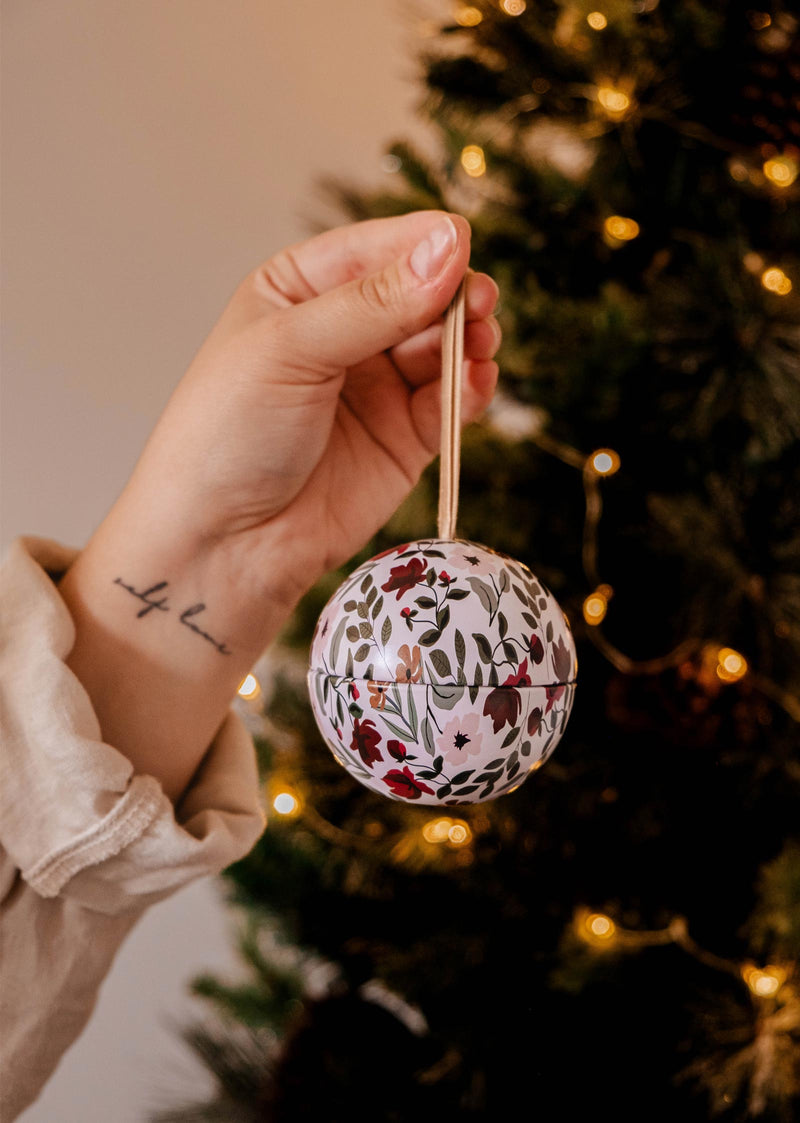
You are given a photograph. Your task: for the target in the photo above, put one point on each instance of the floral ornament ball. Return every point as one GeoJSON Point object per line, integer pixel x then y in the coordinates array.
{"type": "Point", "coordinates": [442, 672]}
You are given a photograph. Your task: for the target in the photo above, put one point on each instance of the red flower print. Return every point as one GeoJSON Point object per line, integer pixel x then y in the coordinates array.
{"type": "Point", "coordinates": [445, 578]}
{"type": "Point", "coordinates": [365, 741]}
{"type": "Point", "coordinates": [354, 691]}
{"type": "Point", "coordinates": [405, 611]}
{"type": "Point", "coordinates": [502, 705]}
{"type": "Point", "coordinates": [377, 694]}
{"type": "Point", "coordinates": [405, 577]}
{"type": "Point", "coordinates": [397, 749]}
{"type": "Point", "coordinates": [404, 784]}
{"type": "Point", "coordinates": [553, 694]}
{"type": "Point", "coordinates": [562, 660]}
{"type": "Point", "coordinates": [536, 649]}
{"type": "Point", "coordinates": [521, 678]}
{"type": "Point", "coordinates": [534, 721]}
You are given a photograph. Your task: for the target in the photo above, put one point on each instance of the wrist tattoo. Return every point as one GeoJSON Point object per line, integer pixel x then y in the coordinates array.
{"type": "Point", "coordinates": [162, 605]}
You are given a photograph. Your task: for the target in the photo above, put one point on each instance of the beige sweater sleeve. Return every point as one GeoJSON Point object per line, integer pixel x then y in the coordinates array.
{"type": "Point", "coordinates": [85, 845]}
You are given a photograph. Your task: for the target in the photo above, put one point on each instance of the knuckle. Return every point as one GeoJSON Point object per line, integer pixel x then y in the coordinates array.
{"type": "Point", "coordinates": [377, 292]}
{"type": "Point", "coordinates": [381, 293]}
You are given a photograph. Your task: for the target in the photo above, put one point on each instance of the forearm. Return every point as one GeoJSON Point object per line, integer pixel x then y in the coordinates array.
{"type": "Point", "coordinates": [166, 628]}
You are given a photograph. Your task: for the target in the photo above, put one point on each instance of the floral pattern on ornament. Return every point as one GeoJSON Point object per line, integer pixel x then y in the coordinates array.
{"type": "Point", "coordinates": [467, 664]}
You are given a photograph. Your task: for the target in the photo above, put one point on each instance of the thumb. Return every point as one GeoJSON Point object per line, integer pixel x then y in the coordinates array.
{"type": "Point", "coordinates": [359, 319]}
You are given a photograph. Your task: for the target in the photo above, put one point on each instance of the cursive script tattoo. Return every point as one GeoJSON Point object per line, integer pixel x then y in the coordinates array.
{"type": "Point", "coordinates": [193, 611]}
{"type": "Point", "coordinates": [146, 596]}
{"type": "Point", "coordinates": [161, 605]}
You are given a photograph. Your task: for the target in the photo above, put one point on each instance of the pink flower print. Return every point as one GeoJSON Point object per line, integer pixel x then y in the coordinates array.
{"type": "Point", "coordinates": [461, 738]}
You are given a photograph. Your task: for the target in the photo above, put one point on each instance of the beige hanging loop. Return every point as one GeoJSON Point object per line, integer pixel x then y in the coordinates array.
{"type": "Point", "coordinates": [452, 371]}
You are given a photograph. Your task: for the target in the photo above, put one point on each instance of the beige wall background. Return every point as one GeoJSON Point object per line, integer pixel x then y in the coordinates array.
{"type": "Point", "coordinates": [153, 151]}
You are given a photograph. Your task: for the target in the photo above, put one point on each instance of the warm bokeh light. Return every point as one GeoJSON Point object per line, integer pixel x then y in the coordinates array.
{"type": "Point", "coordinates": [764, 981]}
{"type": "Point", "coordinates": [621, 229]}
{"type": "Point", "coordinates": [459, 833]}
{"type": "Point", "coordinates": [731, 666]}
{"type": "Point", "coordinates": [594, 608]}
{"type": "Point", "coordinates": [753, 262]}
{"type": "Point", "coordinates": [473, 160]}
{"type": "Point", "coordinates": [595, 927]}
{"type": "Point", "coordinates": [605, 462]}
{"type": "Point", "coordinates": [468, 17]}
{"type": "Point", "coordinates": [759, 20]}
{"type": "Point", "coordinates": [738, 171]}
{"type": "Point", "coordinates": [615, 102]}
{"type": "Point", "coordinates": [597, 21]}
{"type": "Point", "coordinates": [285, 803]}
{"type": "Point", "coordinates": [443, 829]}
{"type": "Point", "coordinates": [775, 280]}
{"type": "Point", "coordinates": [249, 687]}
{"type": "Point", "coordinates": [513, 7]}
{"type": "Point", "coordinates": [780, 170]}
{"type": "Point", "coordinates": [437, 830]}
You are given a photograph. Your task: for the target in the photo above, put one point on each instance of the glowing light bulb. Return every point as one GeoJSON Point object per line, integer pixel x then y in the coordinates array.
{"type": "Point", "coordinates": [595, 927]}
{"type": "Point", "coordinates": [753, 262]}
{"type": "Point", "coordinates": [286, 804]}
{"type": "Point", "coordinates": [249, 687]}
{"type": "Point", "coordinates": [468, 17]}
{"type": "Point", "coordinates": [602, 926]}
{"type": "Point", "coordinates": [605, 462]}
{"type": "Point", "coordinates": [615, 102]}
{"type": "Point", "coordinates": [459, 833]}
{"type": "Point", "coordinates": [621, 229]}
{"type": "Point", "coordinates": [775, 280]}
{"type": "Point", "coordinates": [759, 20]}
{"type": "Point", "coordinates": [437, 830]}
{"type": "Point", "coordinates": [473, 160]}
{"type": "Point", "coordinates": [731, 666]}
{"type": "Point", "coordinates": [594, 608]}
{"type": "Point", "coordinates": [764, 982]}
{"type": "Point", "coordinates": [597, 21]}
{"type": "Point", "coordinates": [513, 7]}
{"type": "Point", "coordinates": [780, 170]}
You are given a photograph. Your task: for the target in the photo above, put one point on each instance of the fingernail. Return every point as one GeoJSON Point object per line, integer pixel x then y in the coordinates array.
{"type": "Point", "coordinates": [429, 257]}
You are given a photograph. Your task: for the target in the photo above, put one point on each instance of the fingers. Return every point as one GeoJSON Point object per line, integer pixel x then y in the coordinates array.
{"type": "Point", "coordinates": [360, 318]}
{"type": "Point", "coordinates": [419, 359]}
{"type": "Point", "coordinates": [348, 253]}
{"type": "Point", "coordinates": [480, 383]}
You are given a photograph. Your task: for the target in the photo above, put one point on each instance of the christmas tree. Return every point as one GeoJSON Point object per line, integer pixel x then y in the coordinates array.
{"type": "Point", "coordinates": [621, 934]}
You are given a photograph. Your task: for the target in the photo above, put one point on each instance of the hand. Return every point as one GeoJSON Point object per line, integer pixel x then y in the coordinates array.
{"type": "Point", "coordinates": [305, 419]}
{"type": "Point", "coordinates": [314, 405]}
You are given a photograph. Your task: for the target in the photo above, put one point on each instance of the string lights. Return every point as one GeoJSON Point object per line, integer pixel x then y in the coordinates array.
{"type": "Point", "coordinates": [775, 280]}
{"type": "Point", "coordinates": [780, 170]}
{"type": "Point", "coordinates": [249, 688]}
{"type": "Point", "coordinates": [473, 160]}
{"type": "Point", "coordinates": [618, 229]}
{"type": "Point", "coordinates": [467, 16]}
{"type": "Point", "coordinates": [605, 462]}
{"type": "Point", "coordinates": [286, 803]}
{"type": "Point", "coordinates": [454, 832]}
{"type": "Point", "coordinates": [598, 930]}
{"type": "Point", "coordinates": [731, 666]}
{"type": "Point", "coordinates": [616, 103]}
{"type": "Point", "coordinates": [595, 606]}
